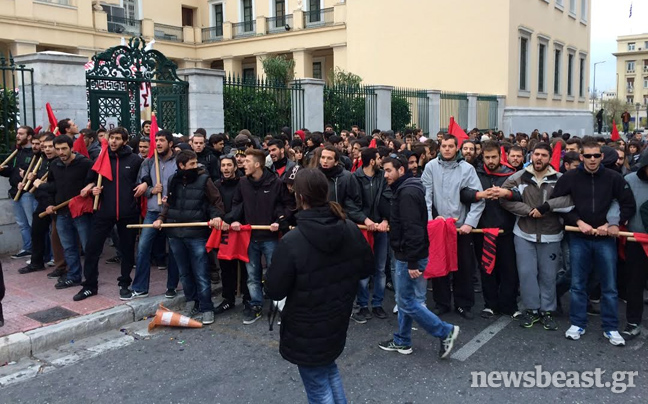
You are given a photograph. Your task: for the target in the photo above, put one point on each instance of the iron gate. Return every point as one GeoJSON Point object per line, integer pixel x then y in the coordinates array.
{"type": "Point", "coordinates": [16, 101]}
{"type": "Point", "coordinates": [121, 77]}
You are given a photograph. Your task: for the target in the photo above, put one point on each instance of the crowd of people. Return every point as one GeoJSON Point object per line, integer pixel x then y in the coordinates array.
{"type": "Point", "coordinates": [484, 181]}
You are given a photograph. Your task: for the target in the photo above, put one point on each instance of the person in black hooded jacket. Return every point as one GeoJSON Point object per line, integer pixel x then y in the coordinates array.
{"type": "Point", "coordinates": [118, 206]}
{"type": "Point", "coordinates": [318, 275]}
{"type": "Point", "coordinates": [343, 187]}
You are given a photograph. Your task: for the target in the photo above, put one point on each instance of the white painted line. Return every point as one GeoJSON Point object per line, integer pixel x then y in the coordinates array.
{"type": "Point", "coordinates": [110, 345]}
{"type": "Point", "coordinates": [20, 376]}
{"type": "Point", "coordinates": [480, 339]}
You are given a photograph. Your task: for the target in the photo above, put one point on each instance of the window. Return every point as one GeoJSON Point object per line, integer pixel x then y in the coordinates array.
{"type": "Point", "coordinates": [317, 70]}
{"type": "Point", "coordinates": [631, 46]}
{"type": "Point", "coordinates": [557, 67]}
{"type": "Point", "coordinates": [630, 66]}
{"type": "Point", "coordinates": [248, 16]}
{"type": "Point", "coordinates": [645, 66]}
{"type": "Point", "coordinates": [645, 100]}
{"type": "Point", "coordinates": [542, 76]}
{"type": "Point", "coordinates": [645, 82]}
{"type": "Point", "coordinates": [583, 10]}
{"type": "Point", "coordinates": [559, 5]}
{"type": "Point", "coordinates": [524, 48]}
{"type": "Point", "coordinates": [646, 45]}
{"type": "Point", "coordinates": [570, 74]}
{"type": "Point", "coordinates": [280, 13]}
{"type": "Point", "coordinates": [572, 7]}
{"type": "Point", "coordinates": [187, 17]}
{"type": "Point", "coordinates": [248, 75]}
{"type": "Point", "coordinates": [630, 85]}
{"type": "Point", "coordinates": [581, 78]}
{"type": "Point", "coordinates": [314, 9]}
{"type": "Point", "coordinates": [218, 19]}
{"type": "Point", "coordinates": [629, 99]}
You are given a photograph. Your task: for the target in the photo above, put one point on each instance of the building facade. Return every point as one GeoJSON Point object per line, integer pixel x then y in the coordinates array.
{"type": "Point", "coordinates": [632, 73]}
{"type": "Point", "coordinates": [533, 52]}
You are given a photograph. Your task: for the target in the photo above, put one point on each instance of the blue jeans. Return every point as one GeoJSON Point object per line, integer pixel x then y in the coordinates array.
{"type": "Point", "coordinates": [191, 257]}
{"type": "Point", "coordinates": [144, 252]}
{"type": "Point", "coordinates": [381, 241]}
{"type": "Point", "coordinates": [420, 288]}
{"type": "Point", "coordinates": [24, 211]}
{"type": "Point", "coordinates": [323, 384]}
{"type": "Point", "coordinates": [600, 253]}
{"type": "Point", "coordinates": [70, 230]}
{"type": "Point", "coordinates": [410, 307]}
{"type": "Point", "coordinates": [254, 269]}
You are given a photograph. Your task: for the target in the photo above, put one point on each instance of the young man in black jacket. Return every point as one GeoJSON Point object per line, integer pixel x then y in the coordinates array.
{"type": "Point", "coordinates": [409, 239]}
{"type": "Point", "coordinates": [262, 199]}
{"type": "Point", "coordinates": [343, 188]}
{"type": "Point", "coordinates": [118, 206]}
{"type": "Point", "coordinates": [592, 188]}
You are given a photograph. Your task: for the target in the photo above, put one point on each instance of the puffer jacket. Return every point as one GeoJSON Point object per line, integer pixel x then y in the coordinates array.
{"type": "Point", "coordinates": [117, 197]}
{"type": "Point", "coordinates": [317, 268]}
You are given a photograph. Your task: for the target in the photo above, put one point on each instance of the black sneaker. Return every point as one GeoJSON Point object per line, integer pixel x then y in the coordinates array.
{"type": "Point", "coordinates": [389, 286]}
{"type": "Point", "coordinates": [391, 346]}
{"type": "Point", "coordinates": [65, 283]}
{"type": "Point", "coordinates": [592, 310]}
{"type": "Point", "coordinates": [379, 312]}
{"type": "Point", "coordinates": [29, 269]}
{"type": "Point", "coordinates": [255, 314]}
{"type": "Point", "coordinates": [467, 314]}
{"type": "Point", "coordinates": [21, 254]}
{"type": "Point", "coordinates": [139, 295]}
{"type": "Point", "coordinates": [125, 293]}
{"type": "Point", "coordinates": [113, 260]}
{"type": "Point", "coordinates": [361, 316]}
{"type": "Point", "coordinates": [247, 310]}
{"type": "Point", "coordinates": [224, 306]}
{"type": "Point", "coordinates": [191, 309]}
{"type": "Point", "coordinates": [83, 294]}
{"type": "Point", "coordinates": [57, 273]}
{"type": "Point", "coordinates": [548, 322]}
{"type": "Point", "coordinates": [631, 331]}
{"type": "Point", "coordinates": [170, 293]}
{"type": "Point", "coordinates": [448, 342]}
{"type": "Point", "coordinates": [487, 313]}
{"type": "Point", "coordinates": [440, 310]}
{"type": "Point", "coordinates": [529, 318]}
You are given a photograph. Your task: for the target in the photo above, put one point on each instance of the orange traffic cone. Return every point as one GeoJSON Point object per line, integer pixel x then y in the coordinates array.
{"type": "Point", "coordinates": [164, 316]}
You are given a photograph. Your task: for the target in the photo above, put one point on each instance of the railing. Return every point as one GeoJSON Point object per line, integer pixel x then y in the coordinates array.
{"type": "Point", "coordinates": [630, 70]}
{"type": "Point", "coordinates": [318, 18]}
{"type": "Point", "coordinates": [212, 34]}
{"type": "Point", "coordinates": [244, 29]}
{"type": "Point", "coordinates": [486, 112]}
{"type": "Point", "coordinates": [275, 25]}
{"type": "Point", "coordinates": [409, 109]}
{"type": "Point", "coordinates": [348, 105]}
{"type": "Point", "coordinates": [121, 25]}
{"type": "Point", "coordinates": [16, 101]}
{"type": "Point", "coordinates": [456, 105]}
{"type": "Point", "coordinates": [168, 33]}
{"type": "Point", "coordinates": [630, 90]}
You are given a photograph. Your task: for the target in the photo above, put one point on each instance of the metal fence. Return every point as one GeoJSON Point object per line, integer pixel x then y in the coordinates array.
{"type": "Point", "coordinates": [276, 25]}
{"type": "Point", "coordinates": [126, 26]}
{"type": "Point", "coordinates": [487, 112]}
{"type": "Point", "coordinates": [212, 34]}
{"type": "Point", "coordinates": [16, 103]}
{"type": "Point", "coordinates": [319, 18]}
{"type": "Point", "coordinates": [168, 33]}
{"type": "Point", "coordinates": [409, 109]}
{"type": "Point", "coordinates": [348, 105]}
{"type": "Point", "coordinates": [456, 105]}
{"type": "Point", "coordinates": [262, 106]}
{"type": "Point", "coordinates": [243, 29]}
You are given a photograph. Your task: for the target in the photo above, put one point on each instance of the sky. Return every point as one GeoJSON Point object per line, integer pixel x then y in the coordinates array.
{"type": "Point", "coordinates": [610, 19]}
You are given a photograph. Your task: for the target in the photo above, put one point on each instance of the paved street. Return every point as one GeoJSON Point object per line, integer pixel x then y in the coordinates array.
{"type": "Point", "coordinates": [231, 362]}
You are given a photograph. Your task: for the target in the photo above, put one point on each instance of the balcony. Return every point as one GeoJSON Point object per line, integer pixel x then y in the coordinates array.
{"type": "Point", "coordinates": [630, 90]}
{"type": "Point", "coordinates": [243, 29]}
{"type": "Point", "coordinates": [126, 26]}
{"type": "Point", "coordinates": [212, 34]}
{"type": "Point", "coordinates": [630, 70]}
{"type": "Point", "coordinates": [168, 33]}
{"type": "Point", "coordinates": [276, 25]}
{"type": "Point", "coordinates": [318, 18]}
{"type": "Point", "coordinates": [645, 69]}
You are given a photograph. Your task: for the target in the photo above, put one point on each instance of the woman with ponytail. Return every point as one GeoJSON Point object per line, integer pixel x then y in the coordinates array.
{"type": "Point", "coordinates": [316, 267]}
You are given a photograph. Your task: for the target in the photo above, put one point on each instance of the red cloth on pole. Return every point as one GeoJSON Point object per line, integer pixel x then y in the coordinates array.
{"type": "Point", "coordinates": [79, 146]}
{"type": "Point", "coordinates": [38, 129]}
{"type": "Point", "coordinates": [615, 132]}
{"type": "Point", "coordinates": [368, 235]}
{"type": "Point", "coordinates": [489, 251]}
{"type": "Point", "coordinates": [643, 239]}
{"type": "Point", "coordinates": [556, 155]}
{"type": "Point", "coordinates": [50, 117]}
{"type": "Point", "coordinates": [373, 143]}
{"type": "Point", "coordinates": [503, 156]}
{"type": "Point", "coordinates": [232, 245]}
{"type": "Point", "coordinates": [443, 248]}
{"type": "Point", "coordinates": [154, 129]}
{"type": "Point", "coordinates": [213, 242]}
{"type": "Point", "coordinates": [455, 130]}
{"type": "Point", "coordinates": [79, 205]}
{"type": "Point", "coordinates": [102, 165]}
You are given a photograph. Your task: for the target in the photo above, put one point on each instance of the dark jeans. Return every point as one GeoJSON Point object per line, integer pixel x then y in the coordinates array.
{"type": "Point", "coordinates": [637, 266]}
{"type": "Point", "coordinates": [229, 275]}
{"type": "Point", "coordinates": [191, 256]}
{"type": "Point", "coordinates": [462, 285]}
{"type": "Point", "coordinates": [254, 269]}
{"type": "Point", "coordinates": [41, 246]}
{"type": "Point", "coordinates": [101, 228]}
{"type": "Point", "coordinates": [146, 249]}
{"type": "Point", "coordinates": [500, 287]}
{"type": "Point", "coordinates": [626, 127]}
{"type": "Point", "coordinates": [323, 384]}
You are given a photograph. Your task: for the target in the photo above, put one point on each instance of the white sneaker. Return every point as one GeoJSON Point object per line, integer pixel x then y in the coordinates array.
{"type": "Point", "coordinates": [50, 263]}
{"type": "Point", "coordinates": [615, 338]}
{"type": "Point", "coordinates": [574, 333]}
{"type": "Point", "coordinates": [395, 310]}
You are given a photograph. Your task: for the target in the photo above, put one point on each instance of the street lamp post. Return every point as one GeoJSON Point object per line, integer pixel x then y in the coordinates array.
{"type": "Point", "coordinates": [595, 93]}
{"type": "Point", "coordinates": [638, 106]}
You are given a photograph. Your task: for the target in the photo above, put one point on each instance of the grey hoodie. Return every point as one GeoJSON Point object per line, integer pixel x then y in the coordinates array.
{"type": "Point", "coordinates": [638, 182]}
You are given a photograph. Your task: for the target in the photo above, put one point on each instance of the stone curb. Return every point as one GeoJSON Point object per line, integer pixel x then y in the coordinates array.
{"type": "Point", "coordinates": [23, 344]}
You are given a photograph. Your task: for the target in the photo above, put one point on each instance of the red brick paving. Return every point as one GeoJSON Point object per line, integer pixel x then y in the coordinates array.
{"type": "Point", "coordinates": [35, 292]}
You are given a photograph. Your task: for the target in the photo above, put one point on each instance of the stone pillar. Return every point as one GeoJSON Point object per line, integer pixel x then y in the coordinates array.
{"type": "Point", "coordinates": [227, 31]}
{"type": "Point", "coordinates": [59, 78]}
{"type": "Point", "coordinates": [312, 106]}
{"type": "Point", "coordinates": [303, 63]}
{"type": "Point", "coordinates": [261, 25]}
{"type": "Point", "coordinates": [501, 105]}
{"type": "Point", "coordinates": [383, 108]}
{"type": "Point", "coordinates": [298, 19]}
{"type": "Point", "coordinates": [434, 112]}
{"type": "Point", "coordinates": [232, 65]}
{"type": "Point", "coordinates": [188, 35]}
{"type": "Point", "coordinates": [197, 35]}
{"type": "Point", "coordinates": [472, 111]}
{"type": "Point", "coordinates": [340, 55]}
{"type": "Point", "coordinates": [339, 13]}
{"type": "Point", "coordinates": [23, 47]}
{"type": "Point", "coordinates": [260, 72]}
{"type": "Point", "coordinates": [148, 28]}
{"type": "Point", "coordinates": [100, 19]}
{"type": "Point", "coordinates": [205, 99]}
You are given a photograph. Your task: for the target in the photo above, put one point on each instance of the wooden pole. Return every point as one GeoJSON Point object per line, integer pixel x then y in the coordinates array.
{"type": "Point", "coordinates": [43, 178]}
{"type": "Point", "coordinates": [24, 180]}
{"type": "Point", "coordinates": [29, 182]}
{"type": "Point", "coordinates": [157, 174]}
{"type": "Point", "coordinates": [8, 159]}
{"type": "Point", "coordinates": [192, 224]}
{"type": "Point", "coordinates": [95, 206]}
{"type": "Point", "coordinates": [482, 230]}
{"type": "Point", "coordinates": [575, 229]}
{"type": "Point", "coordinates": [57, 207]}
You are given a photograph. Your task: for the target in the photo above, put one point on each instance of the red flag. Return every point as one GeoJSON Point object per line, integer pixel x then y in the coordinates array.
{"type": "Point", "coordinates": [368, 235]}
{"type": "Point", "coordinates": [214, 240]}
{"type": "Point", "coordinates": [79, 146]}
{"type": "Point", "coordinates": [503, 156]}
{"type": "Point", "coordinates": [372, 143]}
{"type": "Point", "coordinates": [643, 239]}
{"type": "Point", "coordinates": [232, 245]}
{"type": "Point", "coordinates": [556, 155]}
{"type": "Point", "coordinates": [489, 250]}
{"type": "Point", "coordinates": [455, 130]}
{"type": "Point", "coordinates": [615, 132]}
{"type": "Point", "coordinates": [78, 206]}
{"type": "Point", "coordinates": [50, 117]}
{"type": "Point", "coordinates": [443, 248]}
{"type": "Point", "coordinates": [38, 129]}
{"type": "Point", "coordinates": [154, 130]}
{"type": "Point", "coordinates": [102, 165]}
